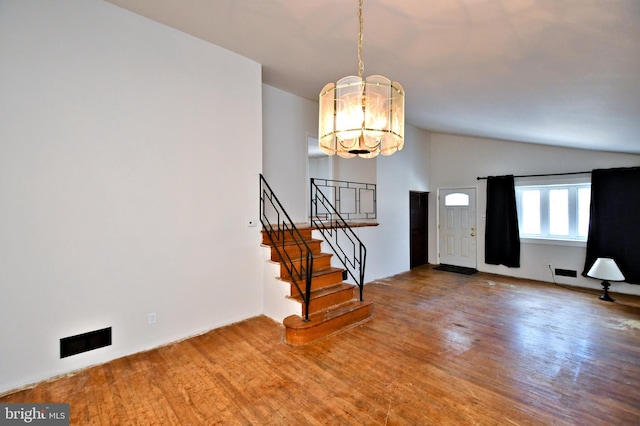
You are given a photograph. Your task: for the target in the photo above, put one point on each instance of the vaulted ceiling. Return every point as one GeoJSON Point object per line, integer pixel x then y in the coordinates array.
{"type": "Point", "coordinates": [555, 72]}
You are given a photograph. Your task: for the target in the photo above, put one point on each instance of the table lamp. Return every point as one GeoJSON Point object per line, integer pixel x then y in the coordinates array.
{"type": "Point", "coordinates": [605, 269]}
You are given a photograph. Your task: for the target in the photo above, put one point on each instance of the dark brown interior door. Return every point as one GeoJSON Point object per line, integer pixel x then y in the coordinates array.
{"type": "Point", "coordinates": [418, 210]}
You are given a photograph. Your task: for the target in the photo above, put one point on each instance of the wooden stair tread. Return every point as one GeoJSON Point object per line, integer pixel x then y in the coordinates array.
{"type": "Point", "coordinates": [295, 242]}
{"type": "Point", "coordinates": [327, 322]}
{"type": "Point", "coordinates": [315, 257]}
{"type": "Point", "coordinates": [324, 291]}
{"type": "Point", "coordinates": [293, 249]}
{"type": "Point", "coordinates": [296, 322]}
{"type": "Point", "coordinates": [289, 232]}
{"type": "Point", "coordinates": [319, 255]}
{"type": "Point", "coordinates": [317, 273]}
{"type": "Point", "coordinates": [298, 242]}
{"type": "Point", "coordinates": [325, 271]}
{"type": "Point", "coordinates": [320, 261]}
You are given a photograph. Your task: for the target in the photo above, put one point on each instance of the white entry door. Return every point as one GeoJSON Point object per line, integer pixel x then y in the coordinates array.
{"type": "Point", "coordinates": [457, 227]}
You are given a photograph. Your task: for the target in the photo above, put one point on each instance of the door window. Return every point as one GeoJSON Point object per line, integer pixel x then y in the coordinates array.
{"type": "Point", "coordinates": [456, 199]}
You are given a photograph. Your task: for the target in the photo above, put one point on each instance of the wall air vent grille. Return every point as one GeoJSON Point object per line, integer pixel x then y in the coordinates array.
{"type": "Point", "coordinates": [566, 273]}
{"type": "Point", "coordinates": [74, 345]}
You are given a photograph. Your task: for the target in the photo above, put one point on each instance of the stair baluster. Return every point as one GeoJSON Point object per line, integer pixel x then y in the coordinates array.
{"type": "Point", "coordinates": [297, 260]}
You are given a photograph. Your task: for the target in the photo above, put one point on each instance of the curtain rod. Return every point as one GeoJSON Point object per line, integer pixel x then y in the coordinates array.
{"type": "Point", "coordinates": [542, 175]}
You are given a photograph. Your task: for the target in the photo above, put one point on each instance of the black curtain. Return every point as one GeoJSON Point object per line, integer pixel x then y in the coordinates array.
{"type": "Point", "coordinates": [614, 225]}
{"type": "Point", "coordinates": [502, 238]}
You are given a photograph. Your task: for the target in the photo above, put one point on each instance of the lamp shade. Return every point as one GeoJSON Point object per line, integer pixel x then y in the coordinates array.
{"type": "Point", "coordinates": [605, 269]}
{"type": "Point", "coordinates": [363, 117]}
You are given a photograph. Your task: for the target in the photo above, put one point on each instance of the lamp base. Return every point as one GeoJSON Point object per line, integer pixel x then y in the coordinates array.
{"type": "Point", "coordinates": [605, 295]}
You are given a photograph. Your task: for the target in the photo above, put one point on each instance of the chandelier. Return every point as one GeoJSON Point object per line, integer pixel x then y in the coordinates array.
{"type": "Point", "coordinates": [361, 117]}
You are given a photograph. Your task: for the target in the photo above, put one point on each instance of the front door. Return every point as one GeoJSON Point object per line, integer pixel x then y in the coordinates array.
{"type": "Point", "coordinates": [457, 227]}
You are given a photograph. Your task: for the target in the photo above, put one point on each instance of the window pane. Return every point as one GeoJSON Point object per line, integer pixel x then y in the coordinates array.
{"type": "Point", "coordinates": [555, 211]}
{"type": "Point", "coordinates": [584, 203]}
{"type": "Point", "coordinates": [456, 199]}
{"type": "Point", "coordinates": [559, 212]}
{"type": "Point", "coordinates": [531, 212]}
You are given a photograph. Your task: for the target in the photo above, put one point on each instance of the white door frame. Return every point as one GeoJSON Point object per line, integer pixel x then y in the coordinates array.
{"type": "Point", "coordinates": [475, 208]}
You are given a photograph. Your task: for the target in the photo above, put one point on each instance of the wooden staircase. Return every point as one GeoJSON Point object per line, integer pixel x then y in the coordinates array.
{"type": "Point", "coordinates": [333, 304]}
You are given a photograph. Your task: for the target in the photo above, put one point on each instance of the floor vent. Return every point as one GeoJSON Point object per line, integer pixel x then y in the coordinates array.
{"type": "Point", "coordinates": [85, 342]}
{"type": "Point", "coordinates": [566, 273]}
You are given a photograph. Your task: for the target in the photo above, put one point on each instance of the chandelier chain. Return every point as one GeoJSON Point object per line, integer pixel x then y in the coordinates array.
{"type": "Point", "coordinates": [360, 62]}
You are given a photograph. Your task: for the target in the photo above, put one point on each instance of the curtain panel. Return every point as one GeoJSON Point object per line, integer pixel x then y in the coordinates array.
{"type": "Point", "coordinates": [502, 237]}
{"type": "Point", "coordinates": [614, 223]}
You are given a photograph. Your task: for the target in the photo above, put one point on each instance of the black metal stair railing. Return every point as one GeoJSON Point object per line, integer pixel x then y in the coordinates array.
{"type": "Point", "coordinates": [353, 200]}
{"type": "Point", "coordinates": [335, 230]}
{"type": "Point", "coordinates": [282, 232]}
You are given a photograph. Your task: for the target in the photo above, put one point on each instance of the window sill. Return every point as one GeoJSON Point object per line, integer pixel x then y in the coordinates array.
{"type": "Point", "coordinates": [553, 242]}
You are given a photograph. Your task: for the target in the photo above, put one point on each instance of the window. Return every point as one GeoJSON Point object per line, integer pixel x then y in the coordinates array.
{"type": "Point", "coordinates": [456, 199]}
{"type": "Point", "coordinates": [554, 211]}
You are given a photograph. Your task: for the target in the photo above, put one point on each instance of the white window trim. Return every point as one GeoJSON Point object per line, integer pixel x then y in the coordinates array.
{"type": "Point", "coordinates": [549, 184]}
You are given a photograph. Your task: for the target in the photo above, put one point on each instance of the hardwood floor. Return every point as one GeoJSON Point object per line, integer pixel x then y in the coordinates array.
{"type": "Point", "coordinates": [442, 349]}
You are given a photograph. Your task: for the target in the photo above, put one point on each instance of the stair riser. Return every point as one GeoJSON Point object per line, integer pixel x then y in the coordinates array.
{"type": "Point", "coordinates": [294, 251]}
{"type": "Point", "coordinates": [319, 282]}
{"type": "Point", "coordinates": [318, 263]}
{"type": "Point", "coordinates": [320, 303]}
{"type": "Point", "coordinates": [303, 336]}
{"type": "Point", "coordinates": [288, 236]}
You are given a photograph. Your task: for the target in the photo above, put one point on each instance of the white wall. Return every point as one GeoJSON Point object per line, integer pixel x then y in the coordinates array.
{"type": "Point", "coordinates": [319, 167]}
{"type": "Point", "coordinates": [398, 174]}
{"type": "Point", "coordinates": [355, 169]}
{"type": "Point", "coordinates": [458, 160]}
{"type": "Point", "coordinates": [129, 161]}
{"type": "Point", "coordinates": [287, 120]}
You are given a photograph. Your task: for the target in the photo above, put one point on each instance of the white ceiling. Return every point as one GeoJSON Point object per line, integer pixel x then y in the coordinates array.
{"type": "Point", "coordinates": [557, 72]}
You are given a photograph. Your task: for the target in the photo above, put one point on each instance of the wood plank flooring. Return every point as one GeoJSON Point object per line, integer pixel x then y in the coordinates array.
{"type": "Point", "coordinates": [442, 349]}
